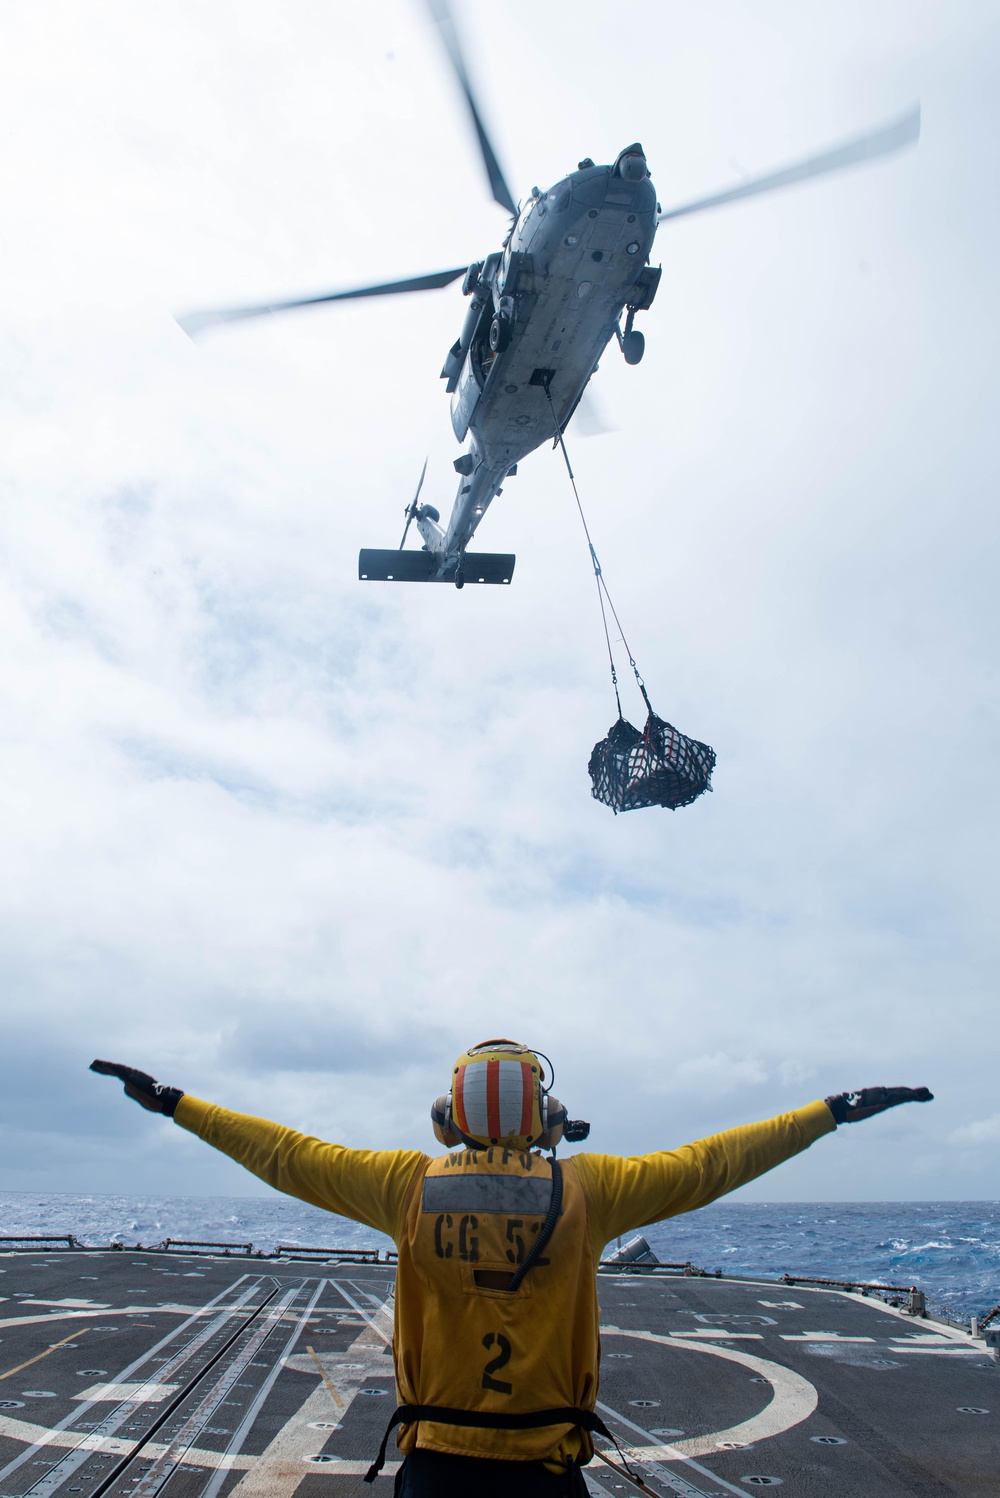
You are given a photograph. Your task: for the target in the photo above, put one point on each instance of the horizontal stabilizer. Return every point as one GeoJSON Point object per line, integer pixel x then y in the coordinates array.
{"type": "Point", "coordinates": [430, 567]}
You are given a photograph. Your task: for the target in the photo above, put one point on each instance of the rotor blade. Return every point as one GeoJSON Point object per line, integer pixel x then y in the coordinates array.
{"type": "Point", "coordinates": [411, 508]}
{"type": "Point", "coordinates": [442, 15]}
{"type": "Point", "coordinates": [862, 148]}
{"type": "Point", "coordinates": [420, 485]}
{"type": "Point", "coordinates": [197, 322]}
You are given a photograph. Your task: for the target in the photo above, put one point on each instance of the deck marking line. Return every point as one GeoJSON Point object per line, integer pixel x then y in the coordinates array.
{"type": "Point", "coordinates": [67, 1465]}
{"type": "Point", "coordinates": [44, 1436]}
{"type": "Point", "coordinates": [52, 1316]}
{"type": "Point", "coordinates": [793, 1397]}
{"type": "Point", "coordinates": [946, 1352]}
{"type": "Point", "coordinates": [926, 1339]}
{"type": "Point", "coordinates": [872, 1304]}
{"type": "Point", "coordinates": [226, 1375]}
{"type": "Point", "coordinates": [673, 1455]}
{"type": "Point", "coordinates": [150, 1392]}
{"type": "Point", "coordinates": [634, 1455]}
{"type": "Point", "coordinates": [326, 1378]}
{"type": "Point", "coordinates": [950, 1334]}
{"type": "Point", "coordinates": [54, 1348]}
{"type": "Point", "coordinates": [246, 1424]}
{"type": "Point", "coordinates": [115, 1418]}
{"type": "Point", "coordinates": [716, 1334]}
{"type": "Point", "coordinates": [66, 1315]}
{"type": "Point", "coordinates": [595, 1487]}
{"type": "Point", "coordinates": [277, 1471]}
{"type": "Point", "coordinates": [71, 1304]}
{"type": "Point", "coordinates": [821, 1337]}
{"type": "Point", "coordinates": [347, 1468]}
{"type": "Point", "coordinates": [381, 1307]}
{"type": "Point", "coordinates": [338, 1286]}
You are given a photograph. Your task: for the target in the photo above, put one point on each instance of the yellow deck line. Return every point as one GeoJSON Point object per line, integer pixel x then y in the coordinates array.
{"type": "Point", "coordinates": [55, 1346]}
{"type": "Point", "coordinates": [326, 1379]}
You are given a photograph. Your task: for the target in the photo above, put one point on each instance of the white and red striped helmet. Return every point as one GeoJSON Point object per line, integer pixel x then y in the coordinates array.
{"type": "Point", "coordinates": [497, 1097]}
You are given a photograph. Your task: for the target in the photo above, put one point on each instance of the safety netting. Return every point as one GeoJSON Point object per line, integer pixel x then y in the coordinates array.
{"type": "Point", "coordinates": [658, 767]}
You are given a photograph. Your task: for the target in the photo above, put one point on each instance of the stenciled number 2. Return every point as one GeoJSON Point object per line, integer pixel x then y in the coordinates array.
{"type": "Point", "coordinates": [501, 1360]}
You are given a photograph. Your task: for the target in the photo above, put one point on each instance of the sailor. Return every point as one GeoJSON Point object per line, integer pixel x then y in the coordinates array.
{"type": "Point", "coordinates": [496, 1344]}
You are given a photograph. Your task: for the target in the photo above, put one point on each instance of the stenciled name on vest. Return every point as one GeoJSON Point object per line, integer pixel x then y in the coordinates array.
{"type": "Point", "coordinates": [493, 1155]}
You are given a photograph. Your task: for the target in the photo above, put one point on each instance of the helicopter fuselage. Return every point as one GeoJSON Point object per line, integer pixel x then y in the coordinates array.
{"type": "Point", "coordinates": [541, 313]}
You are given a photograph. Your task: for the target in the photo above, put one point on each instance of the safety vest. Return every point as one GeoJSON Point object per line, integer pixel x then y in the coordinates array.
{"type": "Point", "coordinates": [463, 1342]}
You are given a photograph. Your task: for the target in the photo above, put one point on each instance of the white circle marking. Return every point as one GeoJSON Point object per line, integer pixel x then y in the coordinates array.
{"type": "Point", "coordinates": [794, 1399]}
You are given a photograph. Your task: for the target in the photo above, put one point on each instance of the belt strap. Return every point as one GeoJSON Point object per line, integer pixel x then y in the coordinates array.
{"type": "Point", "coordinates": [406, 1414]}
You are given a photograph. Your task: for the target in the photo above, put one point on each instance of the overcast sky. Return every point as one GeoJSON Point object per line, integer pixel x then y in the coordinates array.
{"type": "Point", "coordinates": [292, 842]}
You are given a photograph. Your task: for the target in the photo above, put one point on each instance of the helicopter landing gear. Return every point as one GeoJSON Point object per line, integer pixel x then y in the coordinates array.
{"type": "Point", "coordinates": [459, 578]}
{"type": "Point", "coordinates": [633, 347]}
{"type": "Point", "coordinates": [631, 343]}
{"type": "Point", "coordinates": [499, 333]}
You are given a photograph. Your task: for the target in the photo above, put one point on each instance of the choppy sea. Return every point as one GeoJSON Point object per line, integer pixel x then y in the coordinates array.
{"type": "Point", "coordinates": [950, 1249]}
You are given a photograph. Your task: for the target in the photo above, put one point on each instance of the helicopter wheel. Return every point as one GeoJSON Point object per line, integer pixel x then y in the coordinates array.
{"type": "Point", "coordinates": [460, 579]}
{"type": "Point", "coordinates": [499, 333]}
{"type": "Point", "coordinates": [634, 347]}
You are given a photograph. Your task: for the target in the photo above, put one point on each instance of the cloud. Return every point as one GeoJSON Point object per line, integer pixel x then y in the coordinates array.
{"type": "Point", "coordinates": [984, 1131]}
{"type": "Point", "coordinates": [292, 842]}
{"type": "Point", "coordinates": [715, 1076]}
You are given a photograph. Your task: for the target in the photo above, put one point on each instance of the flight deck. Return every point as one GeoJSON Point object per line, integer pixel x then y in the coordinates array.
{"type": "Point", "coordinates": [214, 1374]}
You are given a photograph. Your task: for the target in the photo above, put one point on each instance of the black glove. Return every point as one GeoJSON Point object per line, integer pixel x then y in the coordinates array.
{"type": "Point", "coordinates": [850, 1107]}
{"type": "Point", "coordinates": [151, 1094]}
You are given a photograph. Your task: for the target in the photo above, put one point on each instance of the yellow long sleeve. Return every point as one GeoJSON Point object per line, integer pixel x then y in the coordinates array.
{"type": "Point", "coordinates": [624, 1192]}
{"type": "Point", "coordinates": [367, 1185]}
{"type": "Point", "coordinates": [621, 1192]}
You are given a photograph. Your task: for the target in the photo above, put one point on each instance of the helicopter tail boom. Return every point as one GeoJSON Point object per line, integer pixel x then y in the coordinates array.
{"type": "Point", "coordinates": [434, 567]}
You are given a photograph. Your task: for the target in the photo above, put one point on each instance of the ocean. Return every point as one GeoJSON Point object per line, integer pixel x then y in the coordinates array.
{"type": "Point", "coordinates": [951, 1250]}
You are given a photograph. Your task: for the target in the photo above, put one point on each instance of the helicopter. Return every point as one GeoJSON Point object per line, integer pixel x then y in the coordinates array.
{"type": "Point", "coordinates": [572, 273]}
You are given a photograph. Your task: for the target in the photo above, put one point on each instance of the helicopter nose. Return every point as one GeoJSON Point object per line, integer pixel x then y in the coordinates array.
{"type": "Point", "coordinates": [631, 163]}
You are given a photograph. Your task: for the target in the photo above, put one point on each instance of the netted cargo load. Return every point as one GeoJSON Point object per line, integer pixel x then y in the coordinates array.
{"type": "Point", "coordinates": [658, 767]}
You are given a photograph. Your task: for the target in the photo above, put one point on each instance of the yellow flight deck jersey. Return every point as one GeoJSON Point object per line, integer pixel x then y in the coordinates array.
{"type": "Point", "coordinates": [464, 1221]}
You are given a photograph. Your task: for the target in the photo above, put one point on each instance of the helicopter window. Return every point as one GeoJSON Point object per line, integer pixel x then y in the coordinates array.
{"type": "Point", "coordinates": [482, 356]}
{"type": "Point", "coordinates": [561, 201]}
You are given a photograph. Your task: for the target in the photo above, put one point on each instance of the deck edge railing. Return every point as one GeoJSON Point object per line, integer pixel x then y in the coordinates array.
{"type": "Point", "coordinates": [227, 1248]}
{"type": "Point", "coordinates": [42, 1238]}
{"type": "Point", "coordinates": [341, 1255]}
{"type": "Point", "coordinates": [912, 1299]}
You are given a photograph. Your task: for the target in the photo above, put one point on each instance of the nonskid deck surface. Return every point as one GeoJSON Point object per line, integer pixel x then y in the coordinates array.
{"type": "Point", "coordinates": [127, 1372]}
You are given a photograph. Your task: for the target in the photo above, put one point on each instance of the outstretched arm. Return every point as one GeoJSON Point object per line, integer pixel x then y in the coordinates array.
{"type": "Point", "coordinates": [629, 1192]}
{"type": "Point", "coordinates": [369, 1186]}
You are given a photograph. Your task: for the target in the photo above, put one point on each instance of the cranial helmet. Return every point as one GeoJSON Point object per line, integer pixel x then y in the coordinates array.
{"type": "Point", "coordinates": [497, 1097]}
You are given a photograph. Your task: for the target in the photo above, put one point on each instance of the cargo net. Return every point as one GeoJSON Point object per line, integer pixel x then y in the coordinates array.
{"type": "Point", "coordinates": [658, 767]}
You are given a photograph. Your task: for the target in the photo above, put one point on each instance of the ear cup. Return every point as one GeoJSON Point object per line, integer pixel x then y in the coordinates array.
{"type": "Point", "coordinates": [444, 1129]}
{"type": "Point", "coordinates": [553, 1118]}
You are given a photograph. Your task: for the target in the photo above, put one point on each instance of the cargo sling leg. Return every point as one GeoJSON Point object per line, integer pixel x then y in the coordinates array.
{"type": "Point", "coordinates": [660, 766]}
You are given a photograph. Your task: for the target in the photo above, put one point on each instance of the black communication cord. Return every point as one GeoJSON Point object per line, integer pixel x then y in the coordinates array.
{"type": "Point", "coordinates": [548, 1228]}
